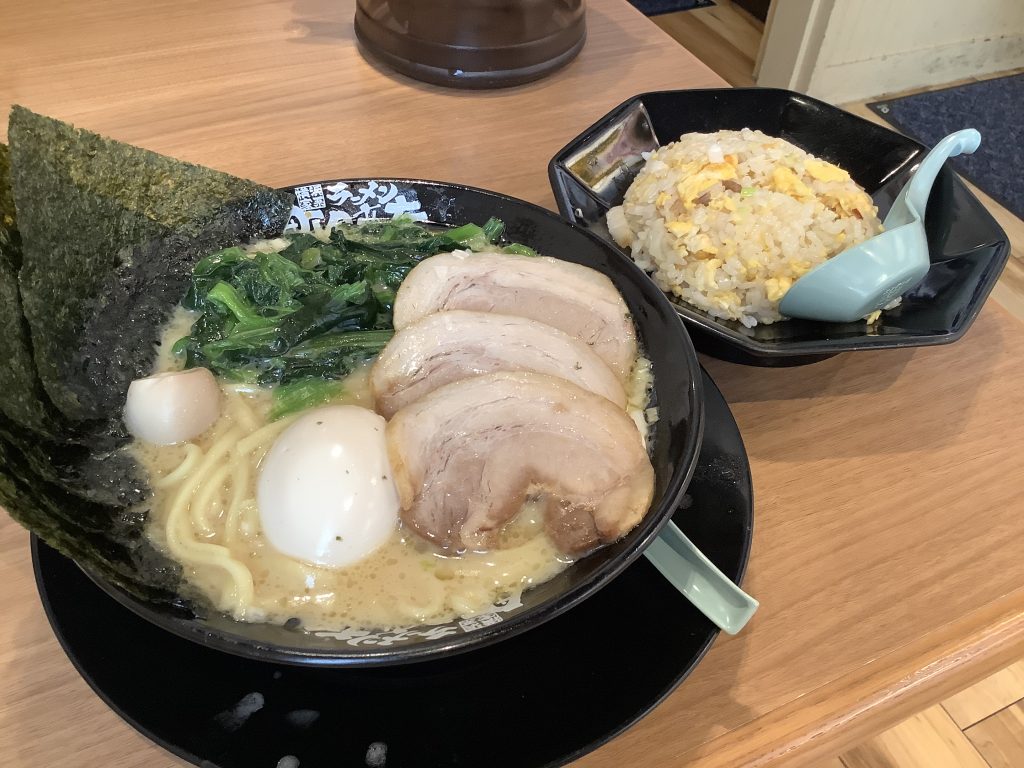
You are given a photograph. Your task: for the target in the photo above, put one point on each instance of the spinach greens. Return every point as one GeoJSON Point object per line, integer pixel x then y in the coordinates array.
{"type": "Point", "coordinates": [305, 316]}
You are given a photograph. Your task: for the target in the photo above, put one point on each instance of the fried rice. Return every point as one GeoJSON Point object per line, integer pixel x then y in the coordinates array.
{"type": "Point", "coordinates": [727, 221]}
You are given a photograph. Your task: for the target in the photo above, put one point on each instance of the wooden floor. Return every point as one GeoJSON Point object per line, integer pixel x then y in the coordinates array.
{"type": "Point", "coordinates": [723, 36]}
{"type": "Point", "coordinates": [982, 727]}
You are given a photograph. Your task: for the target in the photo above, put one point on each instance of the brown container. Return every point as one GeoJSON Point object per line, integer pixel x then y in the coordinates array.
{"type": "Point", "coordinates": [472, 43]}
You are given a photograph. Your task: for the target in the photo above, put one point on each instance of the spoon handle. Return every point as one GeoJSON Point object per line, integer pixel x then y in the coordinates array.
{"type": "Point", "coordinates": [920, 187]}
{"type": "Point", "coordinates": [710, 590]}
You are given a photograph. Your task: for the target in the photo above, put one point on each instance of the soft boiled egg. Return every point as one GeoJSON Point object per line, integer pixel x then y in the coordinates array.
{"type": "Point", "coordinates": [325, 492]}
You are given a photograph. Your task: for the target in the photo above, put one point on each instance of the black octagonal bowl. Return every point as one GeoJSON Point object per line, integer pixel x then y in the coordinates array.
{"type": "Point", "coordinates": [674, 445]}
{"type": "Point", "coordinates": [968, 248]}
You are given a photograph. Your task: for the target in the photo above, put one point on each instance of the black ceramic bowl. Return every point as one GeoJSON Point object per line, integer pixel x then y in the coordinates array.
{"type": "Point", "coordinates": [968, 248]}
{"type": "Point", "coordinates": [674, 446]}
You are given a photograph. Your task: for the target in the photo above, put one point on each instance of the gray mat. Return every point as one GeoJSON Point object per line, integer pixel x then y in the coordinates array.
{"type": "Point", "coordinates": [995, 108]}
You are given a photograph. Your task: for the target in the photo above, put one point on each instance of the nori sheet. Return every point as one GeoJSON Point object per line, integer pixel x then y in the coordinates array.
{"type": "Point", "coordinates": [119, 336]}
{"type": "Point", "coordinates": [95, 310]}
{"type": "Point", "coordinates": [53, 450]}
{"type": "Point", "coordinates": [23, 401]}
{"type": "Point", "coordinates": [84, 203]}
{"type": "Point", "coordinates": [108, 540]}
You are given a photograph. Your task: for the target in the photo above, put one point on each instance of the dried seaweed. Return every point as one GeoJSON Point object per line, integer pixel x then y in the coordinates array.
{"type": "Point", "coordinates": [85, 203]}
{"type": "Point", "coordinates": [24, 401]}
{"type": "Point", "coordinates": [110, 477]}
{"type": "Point", "coordinates": [118, 338]}
{"type": "Point", "coordinates": [106, 539]}
{"type": "Point", "coordinates": [108, 236]}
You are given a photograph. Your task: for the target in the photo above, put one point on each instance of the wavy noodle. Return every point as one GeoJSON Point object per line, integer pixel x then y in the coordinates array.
{"type": "Point", "coordinates": [241, 413]}
{"type": "Point", "coordinates": [433, 595]}
{"type": "Point", "coordinates": [467, 605]}
{"type": "Point", "coordinates": [262, 435]}
{"type": "Point", "coordinates": [183, 545]}
{"type": "Point", "coordinates": [204, 502]}
{"type": "Point", "coordinates": [249, 519]}
{"type": "Point", "coordinates": [193, 454]}
{"type": "Point", "coordinates": [239, 484]}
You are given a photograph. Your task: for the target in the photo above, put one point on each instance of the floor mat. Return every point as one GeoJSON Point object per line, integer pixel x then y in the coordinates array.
{"type": "Point", "coordinates": [656, 7]}
{"type": "Point", "coordinates": [995, 107]}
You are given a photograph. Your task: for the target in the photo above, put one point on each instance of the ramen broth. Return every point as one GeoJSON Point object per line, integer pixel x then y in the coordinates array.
{"type": "Point", "coordinates": [405, 581]}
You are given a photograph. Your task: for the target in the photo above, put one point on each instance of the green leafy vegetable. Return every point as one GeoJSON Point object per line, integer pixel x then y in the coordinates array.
{"type": "Point", "coordinates": [303, 394]}
{"type": "Point", "coordinates": [520, 249]}
{"type": "Point", "coordinates": [307, 315]}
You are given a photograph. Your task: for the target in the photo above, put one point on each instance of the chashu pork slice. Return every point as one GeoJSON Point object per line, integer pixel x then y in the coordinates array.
{"type": "Point", "coordinates": [448, 346]}
{"type": "Point", "coordinates": [467, 456]}
{"type": "Point", "coordinates": [577, 300]}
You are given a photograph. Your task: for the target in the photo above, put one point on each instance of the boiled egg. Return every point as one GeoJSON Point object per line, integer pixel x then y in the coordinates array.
{"type": "Point", "coordinates": [325, 492]}
{"type": "Point", "coordinates": [172, 407]}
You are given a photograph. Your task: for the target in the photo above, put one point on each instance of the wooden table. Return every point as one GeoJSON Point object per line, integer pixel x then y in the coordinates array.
{"type": "Point", "coordinates": [889, 549]}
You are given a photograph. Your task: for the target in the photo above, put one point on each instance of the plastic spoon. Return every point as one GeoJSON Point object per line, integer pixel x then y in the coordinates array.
{"type": "Point", "coordinates": [688, 570]}
{"type": "Point", "coordinates": [870, 275]}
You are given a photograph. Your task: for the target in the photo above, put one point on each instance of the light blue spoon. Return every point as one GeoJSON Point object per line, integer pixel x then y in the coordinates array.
{"type": "Point", "coordinates": [688, 570]}
{"type": "Point", "coordinates": [868, 276]}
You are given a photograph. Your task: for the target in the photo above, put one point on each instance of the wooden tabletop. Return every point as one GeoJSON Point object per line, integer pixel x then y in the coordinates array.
{"type": "Point", "coordinates": [889, 543]}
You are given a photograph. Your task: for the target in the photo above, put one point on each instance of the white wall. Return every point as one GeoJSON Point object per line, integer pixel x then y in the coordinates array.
{"type": "Point", "coordinates": [844, 50]}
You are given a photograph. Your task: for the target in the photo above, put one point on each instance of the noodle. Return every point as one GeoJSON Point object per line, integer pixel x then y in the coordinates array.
{"type": "Point", "coordinates": [262, 435]}
{"type": "Point", "coordinates": [239, 482]}
{"type": "Point", "coordinates": [428, 602]}
{"type": "Point", "coordinates": [203, 502]}
{"type": "Point", "coordinates": [193, 454]}
{"type": "Point", "coordinates": [241, 413]}
{"type": "Point", "coordinates": [182, 543]}
{"type": "Point", "coordinates": [249, 520]}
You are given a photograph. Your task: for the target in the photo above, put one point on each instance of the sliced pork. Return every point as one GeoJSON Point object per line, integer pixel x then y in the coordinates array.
{"type": "Point", "coordinates": [575, 299]}
{"type": "Point", "coordinates": [467, 456]}
{"type": "Point", "coordinates": [447, 346]}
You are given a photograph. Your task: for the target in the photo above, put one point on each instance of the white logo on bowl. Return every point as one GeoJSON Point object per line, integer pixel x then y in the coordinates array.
{"type": "Point", "coordinates": [320, 206]}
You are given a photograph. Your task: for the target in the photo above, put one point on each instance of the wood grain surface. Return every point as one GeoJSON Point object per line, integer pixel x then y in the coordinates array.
{"type": "Point", "coordinates": [889, 514]}
{"type": "Point", "coordinates": [929, 738]}
{"type": "Point", "coordinates": [985, 698]}
{"type": "Point", "coordinates": [1000, 738]}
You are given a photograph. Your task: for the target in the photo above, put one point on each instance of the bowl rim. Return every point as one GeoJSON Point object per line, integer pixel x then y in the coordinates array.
{"type": "Point", "coordinates": [431, 649]}
{"type": "Point", "coordinates": [808, 348]}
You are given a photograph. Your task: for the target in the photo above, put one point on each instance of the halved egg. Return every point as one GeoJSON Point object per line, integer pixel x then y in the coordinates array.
{"type": "Point", "coordinates": [326, 493]}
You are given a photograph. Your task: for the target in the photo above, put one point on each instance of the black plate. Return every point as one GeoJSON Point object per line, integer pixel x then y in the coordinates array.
{"type": "Point", "coordinates": [968, 248]}
{"type": "Point", "coordinates": [540, 699]}
{"type": "Point", "coordinates": [675, 437]}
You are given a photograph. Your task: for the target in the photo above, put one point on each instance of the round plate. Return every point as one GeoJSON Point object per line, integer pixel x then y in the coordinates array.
{"type": "Point", "coordinates": [627, 647]}
{"type": "Point", "coordinates": [675, 436]}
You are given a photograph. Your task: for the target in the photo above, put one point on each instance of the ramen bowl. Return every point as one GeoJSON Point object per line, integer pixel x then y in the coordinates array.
{"type": "Point", "coordinates": [673, 445]}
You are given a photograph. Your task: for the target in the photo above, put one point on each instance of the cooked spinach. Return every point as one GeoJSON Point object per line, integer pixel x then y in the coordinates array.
{"type": "Point", "coordinates": [306, 315]}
